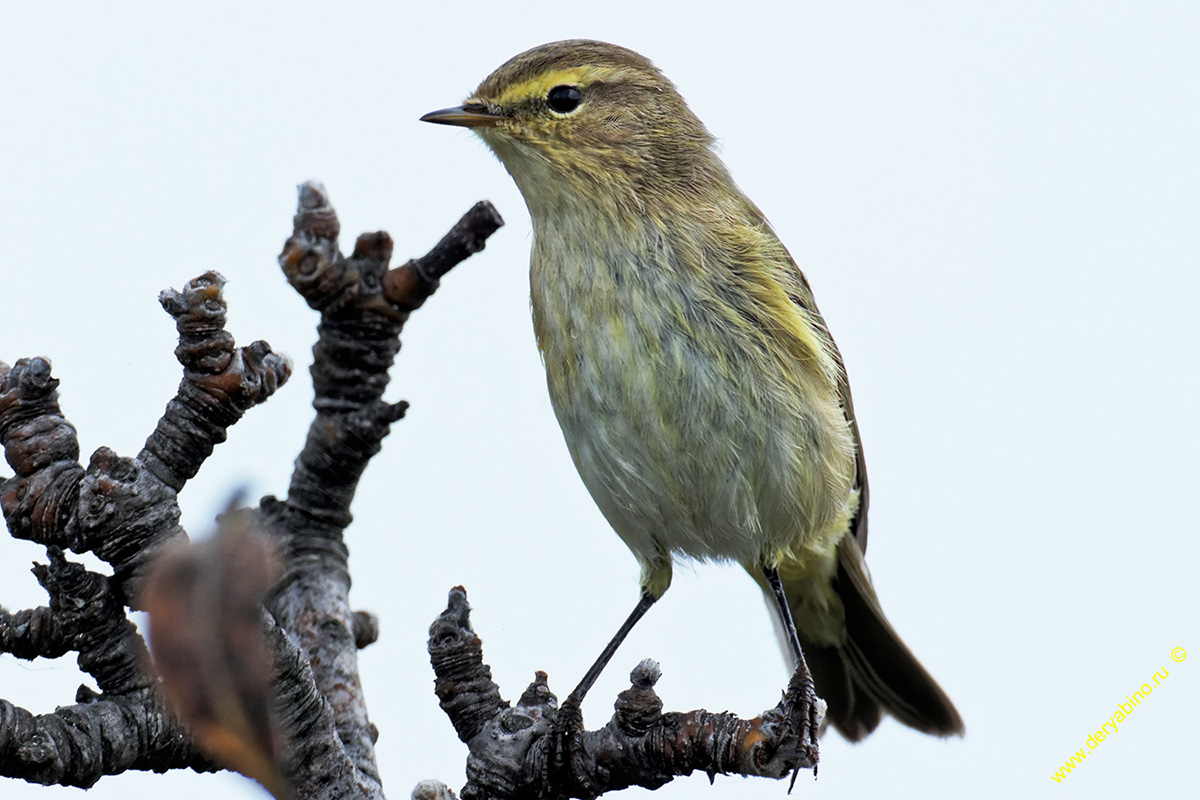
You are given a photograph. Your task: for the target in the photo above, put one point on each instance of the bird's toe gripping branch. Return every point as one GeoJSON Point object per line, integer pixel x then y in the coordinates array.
{"type": "Point", "coordinates": [526, 750]}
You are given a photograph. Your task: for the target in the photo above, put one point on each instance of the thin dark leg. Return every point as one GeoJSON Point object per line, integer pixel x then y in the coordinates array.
{"type": "Point", "coordinates": [810, 692]}
{"type": "Point", "coordinates": [568, 724]}
{"type": "Point", "coordinates": [785, 614]}
{"type": "Point", "coordinates": [610, 649]}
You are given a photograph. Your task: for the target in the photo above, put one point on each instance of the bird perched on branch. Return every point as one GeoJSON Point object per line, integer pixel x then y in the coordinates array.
{"type": "Point", "coordinates": [700, 393]}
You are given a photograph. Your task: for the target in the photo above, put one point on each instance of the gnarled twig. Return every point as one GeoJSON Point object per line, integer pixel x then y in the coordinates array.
{"type": "Point", "coordinates": [510, 747]}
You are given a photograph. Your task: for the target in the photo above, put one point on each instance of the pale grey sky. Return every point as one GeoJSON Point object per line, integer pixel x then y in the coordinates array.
{"type": "Point", "coordinates": [996, 203]}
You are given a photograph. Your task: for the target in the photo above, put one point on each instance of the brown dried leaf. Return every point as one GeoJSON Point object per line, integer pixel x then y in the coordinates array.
{"type": "Point", "coordinates": [205, 605]}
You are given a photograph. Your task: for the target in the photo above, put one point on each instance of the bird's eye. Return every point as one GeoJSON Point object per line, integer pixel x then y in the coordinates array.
{"type": "Point", "coordinates": [564, 99]}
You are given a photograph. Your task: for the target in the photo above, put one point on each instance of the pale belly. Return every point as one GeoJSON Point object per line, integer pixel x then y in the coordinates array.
{"type": "Point", "coordinates": [692, 438]}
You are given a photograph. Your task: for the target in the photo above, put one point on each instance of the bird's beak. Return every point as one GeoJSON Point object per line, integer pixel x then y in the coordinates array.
{"type": "Point", "coordinates": [468, 115]}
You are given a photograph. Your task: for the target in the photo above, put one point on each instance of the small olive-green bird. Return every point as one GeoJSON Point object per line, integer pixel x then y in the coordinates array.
{"type": "Point", "coordinates": [700, 393]}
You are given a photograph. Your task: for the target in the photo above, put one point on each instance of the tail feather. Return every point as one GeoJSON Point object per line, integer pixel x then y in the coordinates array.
{"type": "Point", "coordinates": [870, 671]}
{"type": "Point", "coordinates": [878, 660]}
{"type": "Point", "coordinates": [850, 709]}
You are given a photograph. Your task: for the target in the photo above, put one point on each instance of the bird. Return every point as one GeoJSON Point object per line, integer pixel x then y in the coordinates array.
{"type": "Point", "coordinates": [699, 391]}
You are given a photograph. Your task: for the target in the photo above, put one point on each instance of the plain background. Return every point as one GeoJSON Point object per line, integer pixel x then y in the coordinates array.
{"type": "Point", "coordinates": [998, 205]}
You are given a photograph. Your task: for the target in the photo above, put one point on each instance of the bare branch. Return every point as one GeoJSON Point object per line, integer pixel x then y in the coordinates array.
{"type": "Point", "coordinates": [411, 285]}
{"type": "Point", "coordinates": [358, 338]}
{"type": "Point", "coordinates": [77, 745]}
{"type": "Point", "coordinates": [123, 510]}
{"type": "Point", "coordinates": [32, 633]}
{"type": "Point", "coordinates": [220, 382]}
{"type": "Point", "coordinates": [526, 752]}
{"type": "Point", "coordinates": [92, 623]}
{"type": "Point", "coordinates": [40, 501]}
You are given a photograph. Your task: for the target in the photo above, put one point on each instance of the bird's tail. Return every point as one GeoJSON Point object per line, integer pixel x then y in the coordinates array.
{"type": "Point", "coordinates": [869, 671]}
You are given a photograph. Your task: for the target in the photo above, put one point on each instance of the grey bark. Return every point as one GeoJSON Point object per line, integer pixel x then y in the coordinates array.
{"type": "Point", "coordinates": [124, 511]}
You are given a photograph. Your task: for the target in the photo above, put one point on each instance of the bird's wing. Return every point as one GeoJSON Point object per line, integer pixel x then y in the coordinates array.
{"type": "Point", "coordinates": [801, 294]}
{"type": "Point", "coordinates": [859, 524]}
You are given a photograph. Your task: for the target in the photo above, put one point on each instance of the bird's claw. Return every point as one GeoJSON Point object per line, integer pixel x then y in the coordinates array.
{"type": "Point", "coordinates": [807, 711]}
{"type": "Point", "coordinates": [565, 743]}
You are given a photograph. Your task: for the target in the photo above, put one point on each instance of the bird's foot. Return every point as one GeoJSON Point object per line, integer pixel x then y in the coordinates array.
{"type": "Point", "coordinates": [806, 712]}
{"type": "Point", "coordinates": [566, 749]}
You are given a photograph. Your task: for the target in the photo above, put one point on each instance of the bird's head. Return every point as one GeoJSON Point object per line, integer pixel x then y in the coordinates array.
{"type": "Point", "coordinates": [587, 122]}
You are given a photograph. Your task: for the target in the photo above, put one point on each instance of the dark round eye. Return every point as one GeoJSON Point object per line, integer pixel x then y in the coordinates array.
{"type": "Point", "coordinates": [564, 99]}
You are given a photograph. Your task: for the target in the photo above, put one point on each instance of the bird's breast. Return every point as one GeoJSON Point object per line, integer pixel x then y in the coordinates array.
{"type": "Point", "coordinates": [693, 429]}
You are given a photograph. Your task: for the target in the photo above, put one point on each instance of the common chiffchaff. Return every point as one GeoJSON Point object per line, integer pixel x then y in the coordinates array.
{"type": "Point", "coordinates": [698, 388]}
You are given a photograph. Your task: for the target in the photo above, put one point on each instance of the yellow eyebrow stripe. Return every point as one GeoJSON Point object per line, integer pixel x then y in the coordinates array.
{"type": "Point", "coordinates": [540, 84]}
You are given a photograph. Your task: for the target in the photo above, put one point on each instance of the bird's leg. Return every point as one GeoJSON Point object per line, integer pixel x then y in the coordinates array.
{"type": "Point", "coordinates": [643, 605]}
{"type": "Point", "coordinates": [808, 739]}
{"type": "Point", "coordinates": [569, 721]}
